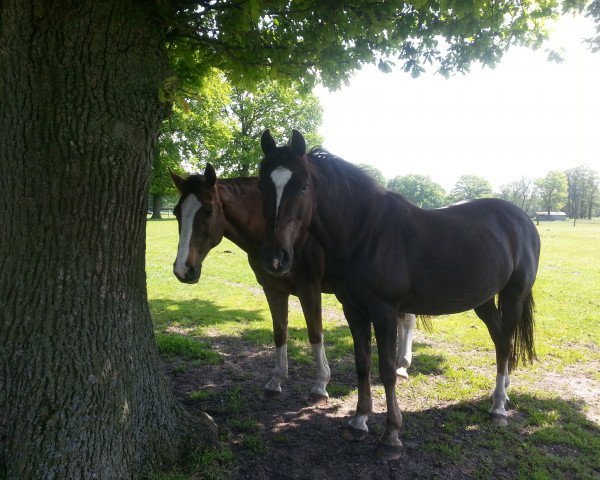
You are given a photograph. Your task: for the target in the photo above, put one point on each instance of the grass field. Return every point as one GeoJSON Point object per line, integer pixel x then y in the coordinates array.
{"type": "Point", "coordinates": [554, 427]}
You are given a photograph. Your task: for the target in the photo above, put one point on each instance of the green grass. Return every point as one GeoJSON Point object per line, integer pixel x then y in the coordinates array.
{"type": "Point", "coordinates": [453, 367]}
{"type": "Point", "coordinates": [200, 395]}
{"type": "Point", "coordinates": [170, 345]}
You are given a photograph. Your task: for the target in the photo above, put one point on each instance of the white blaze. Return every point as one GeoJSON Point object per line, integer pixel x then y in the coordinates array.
{"type": "Point", "coordinates": [280, 176]}
{"type": "Point", "coordinates": [189, 207]}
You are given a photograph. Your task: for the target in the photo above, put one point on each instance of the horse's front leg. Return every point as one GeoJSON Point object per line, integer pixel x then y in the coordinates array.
{"type": "Point", "coordinates": [278, 304]}
{"type": "Point", "coordinates": [361, 334]}
{"type": "Point", "coordinates": [406, 326]}
{"type": "Point", "coordinates": [311, 307]}
{"type": "Point", "coordinates": [385, 325]}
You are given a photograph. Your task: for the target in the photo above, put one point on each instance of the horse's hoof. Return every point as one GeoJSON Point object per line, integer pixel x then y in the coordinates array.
{"type": "Point", "coordinates": [387, 453]}
{"type": "Point", "coordinates": [499, 419]}
{"type": "Point", "coordinates": [317, 399]}
{"type": "Point", "coordinates": [271, 394]}
{"type": "Point", "coordinates": [402, 373]}
{"type": "Point", "coordinates": [354, 434]}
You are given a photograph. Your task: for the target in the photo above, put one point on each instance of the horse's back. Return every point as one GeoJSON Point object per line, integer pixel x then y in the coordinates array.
{"type": "Point", "coordinates": [460, 256]}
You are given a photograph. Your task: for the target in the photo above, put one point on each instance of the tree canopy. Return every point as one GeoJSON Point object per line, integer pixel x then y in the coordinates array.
{"type": "Point", "coordinates": [269, 105]}
{"type": "Point", "coordinates": [552, 190]}
{"type": "Point", "coordinates": [419, 189]}
{"type": "Point", "coordinates": [583, 191]}
{"type": "Point", "coordinates": [222, 124]}
{"type": "Point", "coordinates": [311, 40]}
{"type": "Point", "coordinates": [470, 187]}
{"type": "Point", "coordinates": [373, 172]}
{"type": "Point", "coordinates": [521, 192]}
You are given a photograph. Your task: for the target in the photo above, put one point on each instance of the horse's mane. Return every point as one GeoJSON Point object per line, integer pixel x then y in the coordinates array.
{"type": "Point", "coordinates": [335, 171]}
{"type": "Point", "coordinates": [192, 182]}
{"type": "Point", "coordinates": [239, 185]}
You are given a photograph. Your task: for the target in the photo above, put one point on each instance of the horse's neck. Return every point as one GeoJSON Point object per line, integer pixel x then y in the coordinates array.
{"type": "Point", "coordinates": [333, 224]}
{"type": "Point", "coordinates": [242, 210]}
{"type": "Point", "coordinates": [352, 219]}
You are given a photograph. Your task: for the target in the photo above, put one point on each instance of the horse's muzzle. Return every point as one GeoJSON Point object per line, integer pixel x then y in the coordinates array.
{"type": "Point", "coordinates": [192, 275]}
{"type": "Point", "coordinates": [276, 261]}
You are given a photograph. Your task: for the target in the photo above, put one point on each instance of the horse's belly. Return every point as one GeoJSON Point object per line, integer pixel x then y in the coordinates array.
{"type": "Point", "coordinates": [441, 302]}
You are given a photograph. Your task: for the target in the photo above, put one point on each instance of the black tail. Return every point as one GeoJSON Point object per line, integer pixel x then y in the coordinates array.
{"type": "Point", "coordinates": [523, 346]}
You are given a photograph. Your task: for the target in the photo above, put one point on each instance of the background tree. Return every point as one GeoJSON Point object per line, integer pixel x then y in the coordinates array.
{"type": "Point", "coordinates": [373, 172]}
{"type": "Point", "coordinates": [197, 127]}
{"type": "Point", "coordinates": [269, 105]}
{"type": "Point", "coordinates": [521, 192]}
{"type": "Point", "coordinates": [582, 191]}
{"type": "Point", "coordinates": [419, 189]}
{"type": "Point", "coordinates": [552, 190]}
{"type": "Point", "coordinates": [81, 86]}
{"type": "Point", "coordinates": [470, 187]}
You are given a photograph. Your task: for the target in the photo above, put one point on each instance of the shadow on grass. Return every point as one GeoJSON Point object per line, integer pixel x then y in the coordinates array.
{"type": "Point", "coordinates": [452, 442]}
{"type": "Point", "coordinates": [183, 317]}
{"type": "Point", "coordinates": [197, 313]}
{"type": "Point", "coordinates": [547, 438]}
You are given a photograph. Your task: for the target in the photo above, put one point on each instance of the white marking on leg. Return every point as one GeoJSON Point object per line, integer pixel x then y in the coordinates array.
{"type": "Point", "coordinates": [281, 369]}
{"type": "Point", "coordinates": [359, 422]}
{"type": "Point", "coordinates": [189, 208]}
{"type": "Point", "coordinates": [406, 326]}
{"type": "Point", "coordinates": [323, 371]}
{"type": "Point", "coordinates": [499, 396]}
{"type": "Point", "coordinates": [280, 176]}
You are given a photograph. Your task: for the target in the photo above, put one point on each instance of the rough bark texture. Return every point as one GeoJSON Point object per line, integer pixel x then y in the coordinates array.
{"type": "Point", "coordinates": [81, 395]}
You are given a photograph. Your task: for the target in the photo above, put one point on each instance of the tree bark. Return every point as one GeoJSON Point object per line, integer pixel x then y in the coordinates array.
{"type": "Point", "coordinates": [81, 394]}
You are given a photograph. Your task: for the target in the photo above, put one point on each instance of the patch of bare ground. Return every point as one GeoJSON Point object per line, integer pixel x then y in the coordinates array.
{"type": "Point", "coordinates": [572, 384]}
{"type": "Point", "coordinates": [301, 441]}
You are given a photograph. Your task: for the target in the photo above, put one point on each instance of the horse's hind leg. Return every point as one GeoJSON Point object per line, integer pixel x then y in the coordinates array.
{"type": "Point", "coordinates": [360, 328]}
{"type": "Point", "coordinates": [311, 306]}
{"type": "Point", "coordinates": [406, 326]}
{"type": "Point", "coordinates": [501, 327]}
{"type": "Point", "coordinates": [385, 333]}
{"type": "Point", "coordinates": [278, 304]}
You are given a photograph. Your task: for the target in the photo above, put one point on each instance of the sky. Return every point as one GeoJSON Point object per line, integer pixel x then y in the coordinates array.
{"type": "Point", "coordinates": [526, 117]}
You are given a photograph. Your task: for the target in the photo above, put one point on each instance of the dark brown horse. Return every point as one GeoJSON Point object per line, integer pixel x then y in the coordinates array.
{"type": "Point", "coordinates": [384, 255]}
{"type": "Point", "coordinates": [208, 210]}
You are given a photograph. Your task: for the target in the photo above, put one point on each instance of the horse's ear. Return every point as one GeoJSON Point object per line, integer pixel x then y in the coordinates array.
{"type": "Point", "coordinates": [297, 143]}
{"type": "Point", "coordinates": [177, 180]}
{"type": "Point", "coordinates": [210, 175]}
{"type": "Point", "coordinates": [267, 143]}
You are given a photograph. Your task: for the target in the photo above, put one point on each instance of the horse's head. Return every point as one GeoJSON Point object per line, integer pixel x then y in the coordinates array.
{"type": "Point", "coordinates": [201, 222]}
{"type": "Point", "coordinates": [286, 187]}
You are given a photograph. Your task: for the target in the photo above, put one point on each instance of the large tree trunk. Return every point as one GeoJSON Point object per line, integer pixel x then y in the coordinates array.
{"type": "Point", "coordinates": [81, 395]}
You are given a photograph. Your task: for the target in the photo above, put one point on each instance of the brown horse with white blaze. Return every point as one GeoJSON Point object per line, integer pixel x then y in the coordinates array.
{"type": "Point", "coordinates": [209, 209]}
{"type": "Point", "coordinates": [384, 255]}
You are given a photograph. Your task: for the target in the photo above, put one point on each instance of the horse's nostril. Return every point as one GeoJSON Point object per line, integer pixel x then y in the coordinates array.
{"type": "Point", "coordinates": [190, 274]}
{"type": "Point", "coordinates": [275, 260]}
{"type": "Point", "coordinates": [285, 259]}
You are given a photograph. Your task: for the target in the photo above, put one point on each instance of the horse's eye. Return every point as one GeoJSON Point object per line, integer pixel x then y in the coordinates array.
{"type": "Point", "coordinates": [305, 188]}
